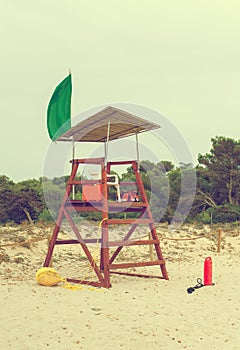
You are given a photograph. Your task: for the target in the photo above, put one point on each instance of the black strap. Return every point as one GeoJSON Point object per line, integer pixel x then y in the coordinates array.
{"type": "Point", "coordinates": [198, 285]}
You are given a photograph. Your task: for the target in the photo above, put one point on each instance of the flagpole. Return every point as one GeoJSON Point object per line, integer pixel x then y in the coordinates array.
{"type": "Point", "coordinates": [73, 143]}
{"type": "Point", "coordinates": [71, 108]}
{"type": "Point", "coordinates": [71, 103]}
{"type": "Point", "coordinates": [73, 157]}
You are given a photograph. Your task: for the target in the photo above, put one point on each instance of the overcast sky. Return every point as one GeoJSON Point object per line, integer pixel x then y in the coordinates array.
{"type": "Point", "coordinates": [180, 58]}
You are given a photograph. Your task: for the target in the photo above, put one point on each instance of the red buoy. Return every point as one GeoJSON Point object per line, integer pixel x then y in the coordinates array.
{"type": "Point", "coordinates": [207, 281]}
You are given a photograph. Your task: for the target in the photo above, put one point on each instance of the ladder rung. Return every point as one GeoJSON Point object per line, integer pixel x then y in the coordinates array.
{"type": "Point", "coordinates": [136, 264]}
{"type": "Point", "coordinates": [129, 221]}
{"type": "Point", "coordinates": [90, 283]}
{"type": "Point", "coordinates": [84, 182]}
{"type": "Point", "coordinates": [88, 161]}
{"type": "Point", "coordinates": [128, 243]}
{"type": "Point", "coordinates": [76, 241]}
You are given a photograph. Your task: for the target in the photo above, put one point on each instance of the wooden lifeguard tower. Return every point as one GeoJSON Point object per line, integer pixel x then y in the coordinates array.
{"type": "Point", "coordinates": [109, 124]}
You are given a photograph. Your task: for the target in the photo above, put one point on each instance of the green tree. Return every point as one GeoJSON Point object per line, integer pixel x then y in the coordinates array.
{"type": "Point", "coordinates": [52, 192]}
{"type": "Point", "coordinates": [19, 201]}
{"type": "Point", "coordinates": [218, 188]}
{"type": "Point", "coordinates": [165, 165]}
{"type": "Point", "coordinates": [156, 184]}
{"type": "Point", "coordinates": [6, 189]}
{"type": "Point", "coordinates": [182, 189]}
{"type": "Point", "coordinates": [223, 166]}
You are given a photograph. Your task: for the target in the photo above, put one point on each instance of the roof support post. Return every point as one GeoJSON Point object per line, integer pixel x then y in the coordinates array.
{"type": "Point", "coordinates": [137, 149]}
{"type": "Point", "coordinates": [107, 143]}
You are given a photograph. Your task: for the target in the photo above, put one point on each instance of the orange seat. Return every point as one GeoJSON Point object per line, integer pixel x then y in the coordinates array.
{"type": "Point", "coordinates": [92, 193]}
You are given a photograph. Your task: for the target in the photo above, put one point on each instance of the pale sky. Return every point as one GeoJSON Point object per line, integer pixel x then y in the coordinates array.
{"type": "Point", "coordinates": [180, 58]}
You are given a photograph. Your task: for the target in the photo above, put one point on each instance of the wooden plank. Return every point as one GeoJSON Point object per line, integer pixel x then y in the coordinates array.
{"type": "Point", "coordinates": [123, 162]}
{"type": "Point", "coordinates": [88, 161]}
{"type": "Point", "coordinates": [97, 207]}
{"type": "Point", "coordinates": [75, 241]}
{"type": "Point", "coordinates": [84, 182]}
{"type": "Point", "coordinates": [131, 243]}
{"type": "Point", "coordinates": [128, 221]}
{"type": "Point", "coordinates": [135, 274]}
{"type": "Point", "coordinates": [122, 205]}
{"type": "Point", "coordinates": [136, 264]}
{"type": "Point", "coordinates": [89, 283]}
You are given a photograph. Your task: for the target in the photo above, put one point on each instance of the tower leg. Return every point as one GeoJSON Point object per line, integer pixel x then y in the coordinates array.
{"type": "Point", "coordinates": [105, 255]}
{"type": "Point", "coordinates": [149, 215]}
{"type": "Point", "coordinates": [60, 217]}
{"type": "Point", "coordinates": [158, 250]}
{"type": "Point", "coordinates": [104, 263]}
{"type": "Point", "coordinates": [53, 241]}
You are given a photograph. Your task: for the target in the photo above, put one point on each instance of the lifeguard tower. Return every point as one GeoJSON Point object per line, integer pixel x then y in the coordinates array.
{"type": "Point", "coordinates": [109, 124]}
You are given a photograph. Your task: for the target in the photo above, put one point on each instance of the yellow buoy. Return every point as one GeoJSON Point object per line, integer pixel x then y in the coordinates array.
{"type": "Point", "coordinates": [47, 276]}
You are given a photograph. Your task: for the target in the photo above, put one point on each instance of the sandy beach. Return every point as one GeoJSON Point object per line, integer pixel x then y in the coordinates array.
{"type": "Point", "coordinates": [136, 313]}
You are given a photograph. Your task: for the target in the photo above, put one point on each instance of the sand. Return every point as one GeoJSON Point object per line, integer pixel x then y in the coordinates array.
{"type": "Point", "coordinates": [135, 313]}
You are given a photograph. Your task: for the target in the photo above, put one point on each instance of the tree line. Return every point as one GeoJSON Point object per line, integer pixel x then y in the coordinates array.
{"type": "Point", "coordinates": [217, 195]}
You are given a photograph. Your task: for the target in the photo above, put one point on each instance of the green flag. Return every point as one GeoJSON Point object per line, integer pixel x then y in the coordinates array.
{"type": "Point", "coordinates": [59, 109]}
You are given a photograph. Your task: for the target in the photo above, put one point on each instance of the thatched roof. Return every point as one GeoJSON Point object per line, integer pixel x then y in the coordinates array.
{"type": "Point", "coordinates": [95, 128]}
